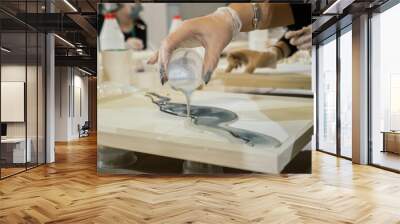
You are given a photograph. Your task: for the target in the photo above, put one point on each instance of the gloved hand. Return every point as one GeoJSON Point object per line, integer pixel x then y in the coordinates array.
{"type": "Point", "coordinates": [300, 38]}
{"type": "Point", "coordinates": [213, 32]}
{"type": "Point", "coordinates": [134, 43]}
{"type": "Point", "coordinates": [252, 59]}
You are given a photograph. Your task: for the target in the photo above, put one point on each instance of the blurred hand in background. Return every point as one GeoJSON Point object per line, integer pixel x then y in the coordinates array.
{"type": "Point", "coordinates": [134, 43]}
{"type": "Point", "coordinates": [251, 59]}
{"type": "Point", "coordinates": [302, 38]}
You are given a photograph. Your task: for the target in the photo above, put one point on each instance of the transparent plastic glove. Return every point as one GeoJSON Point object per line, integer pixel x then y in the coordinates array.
{"type": "Point", "coordinates": [300, 38]}
{"type": "Point", "coordinates": [134, 43]}
{"type": "Point", "coordinates": [251, 59]}
{"type": "Point", "coordinates": [213, 32]}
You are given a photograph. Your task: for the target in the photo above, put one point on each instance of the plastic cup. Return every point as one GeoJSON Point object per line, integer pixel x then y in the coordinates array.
{"type": "Point", "coordinates": [184, 70]}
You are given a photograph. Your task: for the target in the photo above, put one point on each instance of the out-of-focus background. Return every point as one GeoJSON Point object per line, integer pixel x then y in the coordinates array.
{"type": "Point", "coordinates": [292, 75]}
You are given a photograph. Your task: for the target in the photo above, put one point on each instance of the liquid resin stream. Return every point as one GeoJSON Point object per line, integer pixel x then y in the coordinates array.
{"type": "Point", "coordinates": [213, 119]}
{"type": "Point", "coordinates": [187, 91]}
{"type": "Point", "coordinates": [187, 96]}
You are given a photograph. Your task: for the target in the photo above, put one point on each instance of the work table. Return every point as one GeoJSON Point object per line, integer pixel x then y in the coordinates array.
{"type": "Point", "coordinates": [129, 120]}
{"type": "Point", "coordinates": [133, 122]}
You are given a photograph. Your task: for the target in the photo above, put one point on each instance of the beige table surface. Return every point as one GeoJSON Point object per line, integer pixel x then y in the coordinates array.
{"type": "Point", "coordinates": [286, 78]}
{"type": "Point", "coordinates": [260, 82]}
{"type": "Point", "coordinates": [133, 122]}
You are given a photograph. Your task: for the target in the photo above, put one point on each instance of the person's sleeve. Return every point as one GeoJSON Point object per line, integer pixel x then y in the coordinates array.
{"type": "Point", "coordinates": [302, 17]}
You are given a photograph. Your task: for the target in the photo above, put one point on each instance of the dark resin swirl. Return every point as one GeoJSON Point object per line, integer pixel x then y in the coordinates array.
{"type": "Point", "coordinates": [213, 119]}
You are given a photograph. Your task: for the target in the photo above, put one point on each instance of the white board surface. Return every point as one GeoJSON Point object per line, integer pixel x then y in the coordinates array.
{"type": "Point", "coordinates": [134, 123]}
{"type": "Point", "coordinates": [12, 101]}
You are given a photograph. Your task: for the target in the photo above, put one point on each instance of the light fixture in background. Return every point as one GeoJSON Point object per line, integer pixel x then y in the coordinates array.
{"type": "Point", "coordinates": [5, 50]}
{"type": "Point", "coordinates": [337, 7]}
{"type": "Point", "coordinates": [70, 5]}
{"type": "Point", "coordinates": [84, 71]}
{"type": "Point", "coordinates": [331, 7]}
{"type": "Point", "coordinates": [64, 40]}
{"type": "Point", "coordinates": [79, 51]}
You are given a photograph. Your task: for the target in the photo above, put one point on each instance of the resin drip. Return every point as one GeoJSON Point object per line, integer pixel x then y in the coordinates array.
{"type": "Point", "coordinates": [188, 94]}
{"type": "Point", "coordinates": [214, 119]}
{"type": "Point", "coordinates": [186, 87]}
{"type": "Point", "coordinates": [184, 73]}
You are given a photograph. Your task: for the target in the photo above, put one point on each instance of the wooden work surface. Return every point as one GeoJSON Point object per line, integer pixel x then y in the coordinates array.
{"type": "Point", "coordinates": [284, 77]}
{"type": "Point", "coordinates": [133, 122]}
{"type": "Point", "coordinates": [284, 80]}
{"type": "Point", "coordinates": [260, 82]}
{"type": "Point", "coordinates": [71, 191]}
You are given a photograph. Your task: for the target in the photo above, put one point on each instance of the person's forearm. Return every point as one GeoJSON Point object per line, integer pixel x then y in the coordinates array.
{"type": "Point", "coordinates": [272, 15]}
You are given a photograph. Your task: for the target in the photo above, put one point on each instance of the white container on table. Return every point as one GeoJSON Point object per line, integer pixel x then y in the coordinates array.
{"type": "Point", "coordinates": [115, 58]}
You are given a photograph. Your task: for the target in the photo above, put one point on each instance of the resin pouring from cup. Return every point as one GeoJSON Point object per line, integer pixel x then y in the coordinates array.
{"type": "Point", "coordinates": [184, 72]}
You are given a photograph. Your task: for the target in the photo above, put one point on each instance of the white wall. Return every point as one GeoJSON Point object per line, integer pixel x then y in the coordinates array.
{"type": "Point", "coordinates": [50, 93]}
{"type": "Point", "coordinates": [82, 82]}
{"type": "Point", "coordinates": [12, 73]}
{"type": "Point", "coordinates": [80, 109]}
{"type": "Point", "coordinates": [155, 16]}
{"type": "Point", "coordinates": [62, 81]}
{"type": "Point", "coordinates": [33, 126]}
{"type": "Point", "coordinates": [70, 83]}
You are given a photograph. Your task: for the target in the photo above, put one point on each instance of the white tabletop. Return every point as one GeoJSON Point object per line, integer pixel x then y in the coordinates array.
{"type": "Point", "coordinates": [134, 123]}
{"type": "Point", "coordinates": [127, 119]}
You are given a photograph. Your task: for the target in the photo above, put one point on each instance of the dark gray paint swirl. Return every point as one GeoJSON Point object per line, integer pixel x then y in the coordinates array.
{"type": "Point", "coordinates": [214, 119]}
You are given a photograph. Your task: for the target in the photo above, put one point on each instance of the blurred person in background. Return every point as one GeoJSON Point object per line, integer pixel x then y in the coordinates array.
{"type": "Point", "coordinates": [216, 30]}
{"type": "Point", "coordinates": [132, 26]}
{"type": "Point", "coordinates": [296, 38]}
